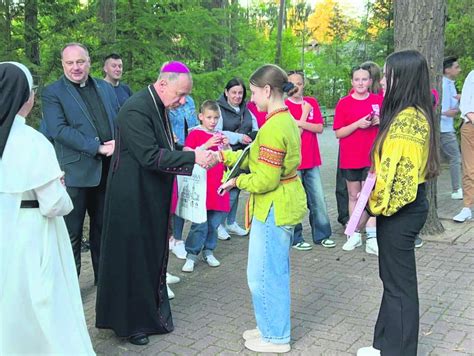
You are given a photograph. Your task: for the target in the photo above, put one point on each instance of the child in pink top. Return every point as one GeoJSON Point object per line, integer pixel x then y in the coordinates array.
{"type": "Point", "coordinates": [356, 123]}
{"type": "Point", "coordinates": [203, 237]}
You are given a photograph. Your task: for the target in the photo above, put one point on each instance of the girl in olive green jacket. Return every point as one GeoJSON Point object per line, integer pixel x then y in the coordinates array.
{"type": "Point", "coordinates": [277, 203]}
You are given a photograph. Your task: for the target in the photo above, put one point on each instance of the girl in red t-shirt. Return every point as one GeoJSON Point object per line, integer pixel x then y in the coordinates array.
{"type": "Point", "coordinates": [203, 237]}
{"type": "Point", "coordinates": [356, 123]}
{"type": "Point", "coordinates": [308, 117]}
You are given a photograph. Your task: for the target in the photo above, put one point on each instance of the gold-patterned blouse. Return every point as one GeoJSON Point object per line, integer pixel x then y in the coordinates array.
{"type": "Point", "coordinates": [402, 164]}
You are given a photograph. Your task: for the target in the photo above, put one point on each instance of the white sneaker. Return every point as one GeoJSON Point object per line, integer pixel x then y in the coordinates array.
{"type": "Point", "coordinates": [368, 351]}
{"type": "Point", "coordinates": [171, 241]}
{"type": "Point", "coordinates": [355, 240]}
{"type": "Point", "coordinates": [222, 233]}
{"type": "Point", "coordinates": [170, 279]}
{"type": "Point", "coordinates": [188, 266]}
{"type": "Point", "coordinates": [464, 215]}
{"type": "Point", "coordinates": [457, 195]}
{"type": "Point", "coordinates": [258, 345]}
{"type": "Point", "coordinates": [302, 246]}
{"type": "Point", "coordinates": [178, 248]}
{"type": "Point", "coordinates": [212, 261]}
{"type": "Point", "coordinates": [371, 246]}
{"type": "Point", "coordinates": [235, 229]}
{"type": "Point", "coordinates": [251, 334]}
{"type": "Point", "coordinates": [170, 293]}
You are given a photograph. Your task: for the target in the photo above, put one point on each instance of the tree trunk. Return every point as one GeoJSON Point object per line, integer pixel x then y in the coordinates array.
{"type": "Point", "coordinates": [107, 14]}
{"type": "Point", "coordinates": [31, 31]}
{"type": "Point", "coordinates": [234, 18]}
{"type": "Point", "coordinates": [6, 27]}
{"type": "Point", "coordinates": [389, 47]}
{"type": "Point", "coordinates": [219, 49]}
{"type": "Point", "coordinates": [130, 16]}
{"type": "Point", "coordinates": [280, 32]}
{"type": "Point", "coordinates": [419, 24]}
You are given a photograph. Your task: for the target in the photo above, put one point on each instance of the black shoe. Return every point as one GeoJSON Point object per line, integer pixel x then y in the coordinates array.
{"type": "Point", "coordinates": [418, 241]}
{"type": "Point", "coordinates": [139, 339]}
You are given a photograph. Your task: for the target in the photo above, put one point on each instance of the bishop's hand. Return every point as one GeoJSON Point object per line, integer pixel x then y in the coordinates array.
{"type": "Point", "coordinates": [205, 159]}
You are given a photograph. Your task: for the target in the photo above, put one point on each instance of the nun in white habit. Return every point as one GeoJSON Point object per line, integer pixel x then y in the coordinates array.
{"type": "Point", "coordinates": [40, 303]}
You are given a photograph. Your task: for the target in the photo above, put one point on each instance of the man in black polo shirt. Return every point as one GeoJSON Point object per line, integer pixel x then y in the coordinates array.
{"type": "Point", "coordinates": [79, 113]}
{"type": "Point", "coordinates": [113, 69]}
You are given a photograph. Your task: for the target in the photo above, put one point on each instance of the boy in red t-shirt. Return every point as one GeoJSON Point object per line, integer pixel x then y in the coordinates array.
{"type": "Point", "coordinates": [356, 123]}
{"type": "Point", "coordinates": [308, 117]}
{"type": "Point", "coordinates": [203, 237]}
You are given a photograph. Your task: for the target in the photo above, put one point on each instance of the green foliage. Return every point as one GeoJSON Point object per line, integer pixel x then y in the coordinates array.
{"type": "Point", "coordinates": [219, 41]}
{"type": "Point", "coordinates": [331, 79]}
{"type": "Point", "coordinates": [459, 35]}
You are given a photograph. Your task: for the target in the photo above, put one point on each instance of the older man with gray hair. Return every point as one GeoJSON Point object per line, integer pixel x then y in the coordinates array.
{"type": "Point", "coordinates": [132, 298]}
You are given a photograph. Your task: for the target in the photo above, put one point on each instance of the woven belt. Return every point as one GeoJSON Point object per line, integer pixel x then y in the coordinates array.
{"type": "Point", "coordinates": [288, 178]}
{"type": "Point", "coordinates": [29, 204]}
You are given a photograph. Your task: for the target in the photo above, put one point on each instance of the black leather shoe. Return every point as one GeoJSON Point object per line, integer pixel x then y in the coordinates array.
{"type": "Point", "coordinates": [139, 339]}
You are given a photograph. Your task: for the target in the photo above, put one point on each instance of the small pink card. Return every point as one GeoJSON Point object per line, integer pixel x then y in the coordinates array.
{"type": "Point", "coordinates": [361, 203]}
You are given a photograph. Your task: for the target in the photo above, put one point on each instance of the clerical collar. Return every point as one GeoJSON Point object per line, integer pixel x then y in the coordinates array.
{"type": "Point", "coordinates": [80, 85]}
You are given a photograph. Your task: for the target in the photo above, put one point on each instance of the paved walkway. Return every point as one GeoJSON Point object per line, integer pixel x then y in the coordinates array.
{"type": "Point", "coordinates": [335, 294]}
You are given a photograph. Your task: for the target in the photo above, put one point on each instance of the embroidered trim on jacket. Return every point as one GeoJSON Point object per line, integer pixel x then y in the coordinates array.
{"type": "Point", "coordinates": [271, 156]}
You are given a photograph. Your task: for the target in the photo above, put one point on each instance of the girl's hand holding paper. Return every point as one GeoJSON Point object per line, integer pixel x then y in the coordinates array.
{"type": "Point", "coordinates": [231, 183]}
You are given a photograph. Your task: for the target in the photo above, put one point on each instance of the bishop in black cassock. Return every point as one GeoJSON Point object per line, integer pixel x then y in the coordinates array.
{"type": "Point", "coordinates": [132, 297]}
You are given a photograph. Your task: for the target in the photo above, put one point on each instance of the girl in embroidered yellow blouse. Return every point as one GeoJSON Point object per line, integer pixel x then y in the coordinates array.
{"type": "Point", "coordinates": [404, 156]}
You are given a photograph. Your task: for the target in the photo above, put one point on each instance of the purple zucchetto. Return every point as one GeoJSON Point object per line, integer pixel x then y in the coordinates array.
{"type": "Point", "coordinates": [174, 67]}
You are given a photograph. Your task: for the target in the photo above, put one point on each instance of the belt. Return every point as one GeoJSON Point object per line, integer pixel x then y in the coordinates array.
{"type": "Point", "coordinates": [29, 204]}
{"type": "Point", "coordinates": [289, 178]}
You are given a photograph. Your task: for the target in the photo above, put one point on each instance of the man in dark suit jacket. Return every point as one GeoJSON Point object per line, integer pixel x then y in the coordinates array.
{"type": "Point", "coordinates": [79, 113]}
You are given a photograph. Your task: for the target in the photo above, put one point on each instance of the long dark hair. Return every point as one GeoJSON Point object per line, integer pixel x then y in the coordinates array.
{"type": "Point", "coordinates": [408, 85]}
{"type": "Point", "coordinates": [375, 75]}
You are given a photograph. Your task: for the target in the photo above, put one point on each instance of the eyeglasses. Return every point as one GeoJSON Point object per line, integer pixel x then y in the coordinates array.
{"type": "Point", "coordinates": [34, 88]}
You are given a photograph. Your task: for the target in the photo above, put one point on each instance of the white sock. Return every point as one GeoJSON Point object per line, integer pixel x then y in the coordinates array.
{"type": "Point", "coordinates": [466, 211]}
{"type": "Point", "coordinates": [371, 232]}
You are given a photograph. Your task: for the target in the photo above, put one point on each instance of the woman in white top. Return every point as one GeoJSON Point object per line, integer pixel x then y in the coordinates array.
{"type": "Point", "coordinates": [40, 302]}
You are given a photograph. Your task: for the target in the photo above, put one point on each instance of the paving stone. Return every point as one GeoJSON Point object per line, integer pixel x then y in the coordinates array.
{"type": "Point", "coordinates": [335, 294]}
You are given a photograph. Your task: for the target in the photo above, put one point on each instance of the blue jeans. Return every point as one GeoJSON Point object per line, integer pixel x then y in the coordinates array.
{"type": "Point", "coordinates": [268, 275]}
{"type": "Point", "coordinates": [203, 236]}
{"type": "Point", "coordinates": [178, 225]}
{"type": "Point", "coordinates": [234, 204]}
{"type": "Point", "coordinates": [318, 214]}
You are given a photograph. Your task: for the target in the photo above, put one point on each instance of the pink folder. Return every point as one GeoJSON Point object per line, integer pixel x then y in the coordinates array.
{"type": "Point", "coordinates": [361, 203]}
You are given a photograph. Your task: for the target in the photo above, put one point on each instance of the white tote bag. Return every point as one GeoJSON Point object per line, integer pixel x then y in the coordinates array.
{"type": "Point", "coordinates": [192, 196]}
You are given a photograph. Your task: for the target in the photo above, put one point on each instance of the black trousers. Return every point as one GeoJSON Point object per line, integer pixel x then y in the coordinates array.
{"type": "Point", "coordinates": [342, 197]}
{"type": "Point", "coordinates": [396, 330]}
{"type": "Point", "coordinates": [90, 200]}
